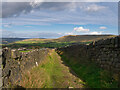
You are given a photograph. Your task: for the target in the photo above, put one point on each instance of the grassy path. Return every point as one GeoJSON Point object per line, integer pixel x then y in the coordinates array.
{"type": "Point", "coordinates": [51, 73]}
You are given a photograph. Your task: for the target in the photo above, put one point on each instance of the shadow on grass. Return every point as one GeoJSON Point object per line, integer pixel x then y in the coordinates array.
{"type": "Point", "coordinates": [17, 87]}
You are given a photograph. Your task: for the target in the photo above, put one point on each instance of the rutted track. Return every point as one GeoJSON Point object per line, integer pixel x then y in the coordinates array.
{"type": "Point", "coordinates": [51, 73]}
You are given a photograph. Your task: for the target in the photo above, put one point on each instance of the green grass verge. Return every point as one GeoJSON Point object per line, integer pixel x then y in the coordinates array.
{"type": "Point", "coordinates": [25, 51]}
{"type": "Point", "coordinates": [92, 74]}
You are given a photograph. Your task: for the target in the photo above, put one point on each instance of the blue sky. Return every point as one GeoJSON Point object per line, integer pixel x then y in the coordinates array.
{"type": "Point", "coordinates": [56, 19]}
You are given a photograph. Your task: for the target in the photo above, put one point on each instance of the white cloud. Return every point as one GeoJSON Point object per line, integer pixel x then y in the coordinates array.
{"type": "Point", "coordinates": [36, 3]}
{"type": "Point", "coordinates": [69, 33]}
{"type": "Point", "coordinates": [15, 9]}
{"type": "Point", "coordinates": [8, 26]}
{"type": "Point", "coordinates": [103, 27]}
{"type": "Point", "coordinates": [61, 13]}
{"type": "Point", "coordinates": [81, 29]}
{"type": "Point", "coordinates": [94, 8]}
{"type": "Point", "coordinates": [95, 33]}
{"type": "Point", "coordinates": [29, 34]}
{"type": "Point", "coordinates": [28, 26]}
{"type": "Point", "coordinates": [8, 34]}
{"type": "Point", "coordinates": [60, 33]}
{"type": "Point", "coordinates": [86, 33]}
{"type": "Point", "coordinates": [61, 0]}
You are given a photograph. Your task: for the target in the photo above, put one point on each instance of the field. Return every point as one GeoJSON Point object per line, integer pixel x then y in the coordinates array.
{"type": "Point", "coordinates": [54, 43]}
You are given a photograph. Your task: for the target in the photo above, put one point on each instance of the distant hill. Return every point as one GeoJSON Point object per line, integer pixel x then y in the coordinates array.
{"type": "Point", "coordinates": [69, 38]}
{"type": "Point", "coordinates": [83, 38]}
{"type": "Point", "coordinates": [11, 40]}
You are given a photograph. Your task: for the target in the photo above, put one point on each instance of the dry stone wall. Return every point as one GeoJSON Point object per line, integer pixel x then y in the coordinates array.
{"type": "Point", "coordinates": [105, 53]}
{"type": "Point", "coordinates": [15, 63]}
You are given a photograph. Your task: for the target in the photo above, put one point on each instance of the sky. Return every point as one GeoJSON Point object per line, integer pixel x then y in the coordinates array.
{"type": "Point", "coordinates": [56, 19]}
